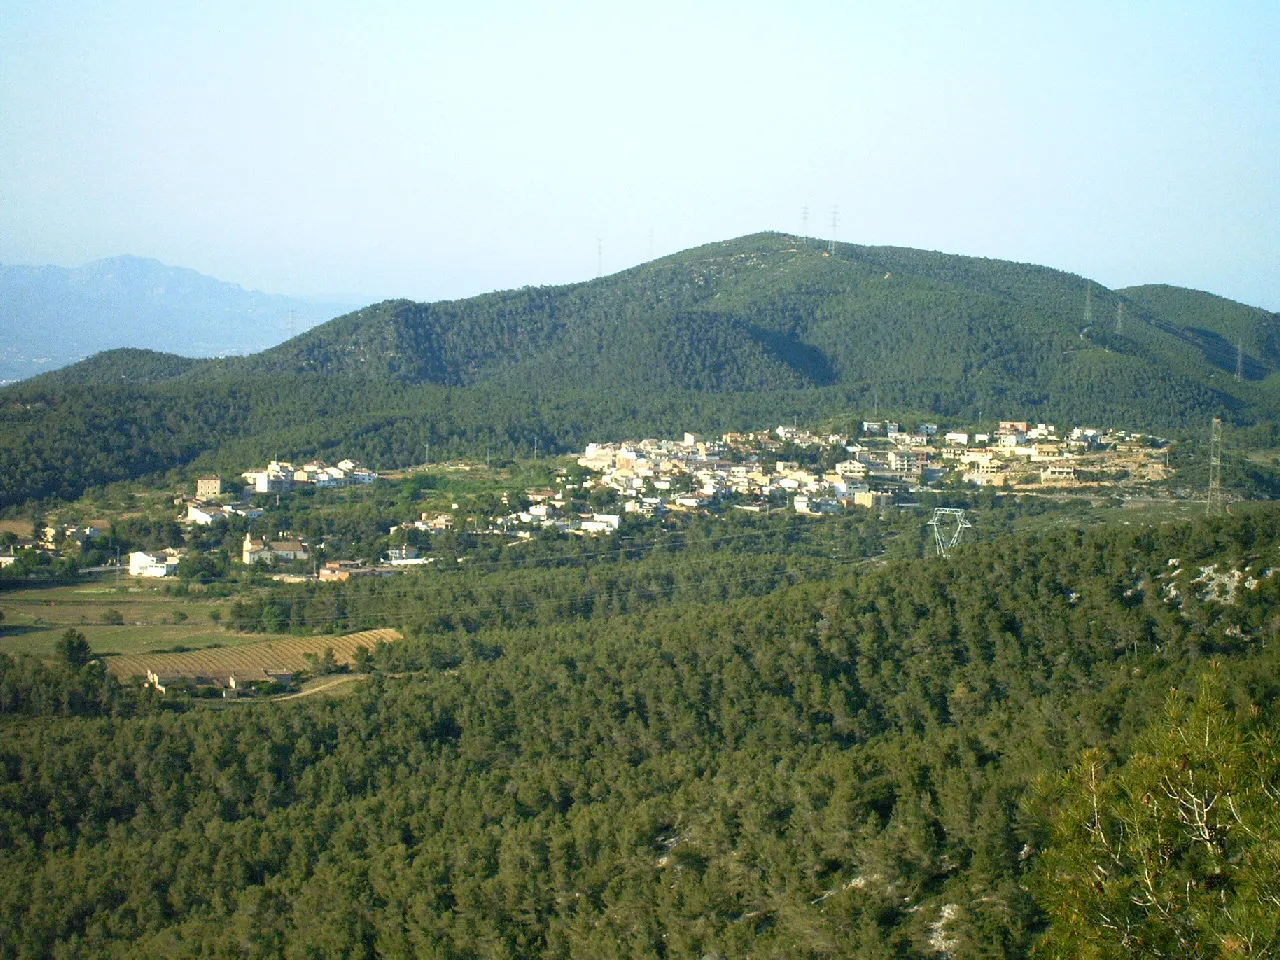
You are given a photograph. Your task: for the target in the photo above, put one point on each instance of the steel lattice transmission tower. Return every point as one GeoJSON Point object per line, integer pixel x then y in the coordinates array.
{"type": "Point", "coordinates": [1216, 503]}
{"type": "Point", "coordinates": [948, 524]}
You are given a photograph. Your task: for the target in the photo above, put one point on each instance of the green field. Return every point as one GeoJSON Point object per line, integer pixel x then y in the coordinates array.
{"type": "Point", "coordinates": [35, 616]}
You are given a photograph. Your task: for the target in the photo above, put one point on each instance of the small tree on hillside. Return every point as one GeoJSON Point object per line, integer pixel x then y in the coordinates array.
{"type": "Point", "coordinates": [73, 649]}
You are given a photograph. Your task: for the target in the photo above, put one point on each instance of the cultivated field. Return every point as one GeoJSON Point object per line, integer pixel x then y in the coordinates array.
{"type": "Point", "coordinates": [125, 616]}
{"type": "Point", "coordinates": [286, 654]}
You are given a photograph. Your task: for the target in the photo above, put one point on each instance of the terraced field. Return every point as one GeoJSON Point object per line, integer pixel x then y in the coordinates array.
{"type": "Point", "coordinates": [284, 654]}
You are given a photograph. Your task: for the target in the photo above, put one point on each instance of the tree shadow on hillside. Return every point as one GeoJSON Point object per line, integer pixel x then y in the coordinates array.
{"type": "Point", "coordinates": [807, 360]}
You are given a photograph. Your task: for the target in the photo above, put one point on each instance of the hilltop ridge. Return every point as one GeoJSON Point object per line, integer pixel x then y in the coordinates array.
{"type": "Point", "coordinates": [895, 326]}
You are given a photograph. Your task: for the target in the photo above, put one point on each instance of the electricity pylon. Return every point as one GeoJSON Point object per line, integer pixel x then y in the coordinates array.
{"type": "Point", "coordinates": [1216, 503]}
{"type": "Point", "coordinates": [948, 524]}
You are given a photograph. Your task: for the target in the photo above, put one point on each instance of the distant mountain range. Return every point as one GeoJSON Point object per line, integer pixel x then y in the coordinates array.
{"type": "Point", "coordinates": [742, 333]}
{"type": "Point", "coordinates": [53, 316]}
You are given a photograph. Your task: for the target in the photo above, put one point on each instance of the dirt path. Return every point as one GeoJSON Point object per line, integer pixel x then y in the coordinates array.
{"type": "Point", "coordinates": [327, 685]}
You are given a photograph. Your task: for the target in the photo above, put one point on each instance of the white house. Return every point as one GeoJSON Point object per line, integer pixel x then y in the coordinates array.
{"type": "Point", "coordinates": [601, 523]}
{"type": "Point", "coordinates": [205, 514]}
{"type": "Point", "coordinates": [269, 480]}
{"type": "Point", "coordinates": [146, 564]}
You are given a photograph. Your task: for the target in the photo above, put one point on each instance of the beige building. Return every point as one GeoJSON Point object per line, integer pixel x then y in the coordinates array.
{"type": "Point", "coordinates": [872, 499]}
{"type": "Point", "coordinates": [210, 486]}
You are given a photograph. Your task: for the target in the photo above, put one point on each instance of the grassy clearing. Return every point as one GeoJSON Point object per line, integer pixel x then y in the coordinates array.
{"type": "Point", "coordinates": [1267, 456]}
{"type": "Point", "coordinates": [36, 616]}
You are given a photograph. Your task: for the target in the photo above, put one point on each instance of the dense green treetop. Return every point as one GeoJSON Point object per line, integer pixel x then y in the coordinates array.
{"type": "Point", "coordinates": [126, 366]}
{"type": "Point", "coordinates": [851, 767]}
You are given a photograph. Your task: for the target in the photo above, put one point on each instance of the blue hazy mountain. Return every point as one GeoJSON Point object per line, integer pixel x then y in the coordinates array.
{"type": "Point", "coordinates": [54, 316]}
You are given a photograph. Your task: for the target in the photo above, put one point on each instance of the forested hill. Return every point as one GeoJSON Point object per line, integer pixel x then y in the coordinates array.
{"type": "Point", "coordinates": [909, 328]}
{"type": "Point", "coordinates": [129, 366]}
{"type": "Point", "coordinates": [726, 336]}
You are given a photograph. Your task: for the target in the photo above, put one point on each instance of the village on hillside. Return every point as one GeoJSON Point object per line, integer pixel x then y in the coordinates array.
{"type": "Point", "coordinates": [609, 483]}
{"type": "Point", "coordinates": [787, 468]}
{"type": "Point", "coordinates": [750, 471]}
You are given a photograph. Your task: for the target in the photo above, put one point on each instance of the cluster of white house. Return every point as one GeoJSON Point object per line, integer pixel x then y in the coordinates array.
{"type": "Point", "coordinates": [656, 475]}
{"type": "Point", "coordinates": [653, 476]}
{"type": "Point", "coordinates": [547, 510]}
{"type": "Point", "coordinates": [691, 472]}
{"type": "Point", "coordinates": [164, 563]}
{"type": "Point", "coordinates": [280, 476]}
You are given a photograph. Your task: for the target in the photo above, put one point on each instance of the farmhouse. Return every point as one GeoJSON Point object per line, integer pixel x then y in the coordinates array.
{"type": "Point", "coordinates": [343, 570]}
{"type": "Point", "coordinates": [143, 563]}
{"type": "Point", "coordinates": [1057, 473]}
{"type": "Point", "coordinates": [250, 679]}
{"type": "Point", "coordinates": [254, 550]}
{"type": "Point", "coordinates": [206, 514]}
{"type": "Point", "coordinates": [232, 685]}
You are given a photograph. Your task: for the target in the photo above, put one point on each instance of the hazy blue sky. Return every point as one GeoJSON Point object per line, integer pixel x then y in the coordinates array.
{"type": "Point", "coordinates": [428, 150]}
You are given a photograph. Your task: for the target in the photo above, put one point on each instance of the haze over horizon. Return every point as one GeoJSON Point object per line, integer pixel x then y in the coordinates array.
{"type": "Point", "coordinates": [397, 150]}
